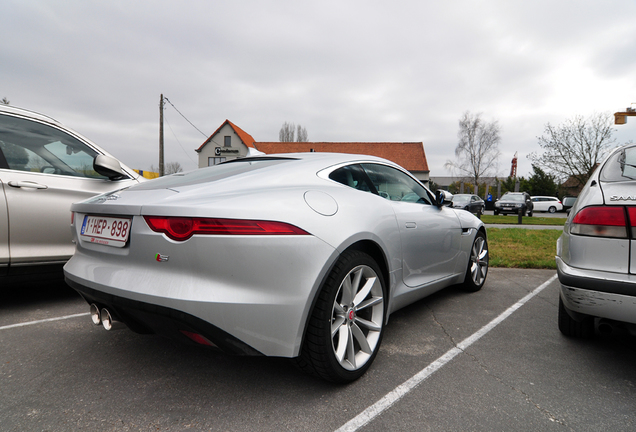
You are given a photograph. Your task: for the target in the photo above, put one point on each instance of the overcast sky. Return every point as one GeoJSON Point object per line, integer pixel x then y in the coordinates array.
{"type": "Point", "coordinates": [345, 70]}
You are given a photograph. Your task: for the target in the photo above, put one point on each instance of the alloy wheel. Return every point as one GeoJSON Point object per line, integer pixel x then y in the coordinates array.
{"type": "Point", "coordinates": [357, 317]}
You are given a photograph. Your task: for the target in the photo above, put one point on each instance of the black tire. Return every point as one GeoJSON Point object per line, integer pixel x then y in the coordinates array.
{"type": "Point", "coordinates": [552, 209]}
{"type": "Point", "coordinates": [570, 327]}
{"type": "Point", "coordinates": [344, 333]}
{"type": "Point", "coordinates": [496, 213]}
{"type": "Point", "coordinates": [477, 264]}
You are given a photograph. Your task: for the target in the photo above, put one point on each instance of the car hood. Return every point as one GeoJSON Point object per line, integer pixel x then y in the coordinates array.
{"type": "Point", "coordinates": [509, 202]}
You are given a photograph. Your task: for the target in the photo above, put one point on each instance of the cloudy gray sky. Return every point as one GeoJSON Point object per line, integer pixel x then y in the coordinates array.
{"type": "Point", "coordinates": [345, 70]}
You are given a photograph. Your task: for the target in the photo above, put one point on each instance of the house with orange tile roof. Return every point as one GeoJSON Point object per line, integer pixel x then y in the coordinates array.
{"type": "Point", "coordinates": [231, 142]}
{"type": "Point", "coordinates": [226, 143]}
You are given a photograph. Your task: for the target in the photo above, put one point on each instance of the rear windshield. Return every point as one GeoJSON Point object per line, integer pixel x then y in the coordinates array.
{"type": "Point", "coordinates": [212, 173]}
{"type": "Point", "coordinates": [621, 166]}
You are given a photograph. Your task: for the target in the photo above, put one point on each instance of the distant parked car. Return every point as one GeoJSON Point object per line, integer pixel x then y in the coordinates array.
{"type": "Point", "coordinates": [595, 253]}
{"type": "Point", "coordinates": [568, 202]}
{"type": "Point", "coordinates": [471, 203]}
{"type": "Point", "coordinates": [546, 204]}
{"type": "Point", "coordinates": [513, 203]}
{"type": "Point", "coordinates": [44, 168]}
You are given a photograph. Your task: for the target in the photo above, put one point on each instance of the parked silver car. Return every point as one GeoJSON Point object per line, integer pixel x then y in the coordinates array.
{"type": "Point", "coordinates": [299, 255]}
{"type": "Point", "coordinates": [596, 254]}
{"type": "Point", "coordinates": [44, 168]}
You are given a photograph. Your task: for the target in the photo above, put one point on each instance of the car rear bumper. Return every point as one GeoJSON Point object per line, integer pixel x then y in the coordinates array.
{"type": "Point", "coordinates": [255, 294]}
{"type": "Point", "coordinates": [148, 318]}
{"type": "Point", "coordinates": [597, 293]}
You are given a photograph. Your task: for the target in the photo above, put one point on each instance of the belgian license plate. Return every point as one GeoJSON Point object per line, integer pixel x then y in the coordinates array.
{"type": "Point", "coordinates": [110, 231]}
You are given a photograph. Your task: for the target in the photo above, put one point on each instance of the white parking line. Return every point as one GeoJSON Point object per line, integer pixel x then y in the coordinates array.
{"type": "Point", "coordinates": [43, 321]}
{"type": "Point", "coordinates": [403, 389]}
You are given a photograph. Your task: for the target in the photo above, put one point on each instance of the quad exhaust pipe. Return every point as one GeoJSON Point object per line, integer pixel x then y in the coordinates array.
{"type": "Point", "coordinates": [104, 317]}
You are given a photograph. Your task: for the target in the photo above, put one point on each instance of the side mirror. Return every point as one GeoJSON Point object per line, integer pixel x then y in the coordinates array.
{"type": "Point", "coordinates": [109, 167]}
{"type": "Point", "coordinates": [443, 198]}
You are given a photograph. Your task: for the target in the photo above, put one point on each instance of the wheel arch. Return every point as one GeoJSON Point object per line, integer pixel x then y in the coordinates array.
{"type": "Point", "coordinates": [374, 250]}
{"type": "Point", "coordinates": [371, 248]}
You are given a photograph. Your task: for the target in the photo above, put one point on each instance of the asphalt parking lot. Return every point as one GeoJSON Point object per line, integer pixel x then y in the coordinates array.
{"type": "Point", "coordinates": [444, 365]}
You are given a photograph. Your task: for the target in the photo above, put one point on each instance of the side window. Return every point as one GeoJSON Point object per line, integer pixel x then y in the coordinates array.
{"type": "Point", "coordinates": [395, 185]}
{"type": "Point", "coordinates": [35, 147]}
{"type": "Point", "coordinates": [352, 176]}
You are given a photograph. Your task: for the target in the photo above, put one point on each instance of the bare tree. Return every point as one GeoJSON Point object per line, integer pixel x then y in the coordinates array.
{"type": "Point", "coordinates": [477, 151]}
{"type": "Point", "coordinates": [169, 168]}
{"type": "Point", "coordinates": [574, 148]}
{"type": "Point", "coordinates": [173, 168]}
{"type": "Point", "coordinates": [287, 132]}
{"type": "Point", "coordinates": [301, 134]}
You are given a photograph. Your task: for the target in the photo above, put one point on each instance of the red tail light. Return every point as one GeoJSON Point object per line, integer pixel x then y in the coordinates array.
{"type": "Point", "coordinates": [182, 228]}
{"type": "Point", "coordinates": [601, 222]}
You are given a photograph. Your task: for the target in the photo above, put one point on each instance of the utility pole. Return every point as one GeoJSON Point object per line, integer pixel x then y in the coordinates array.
{"type": "Point", "coordinates": [161, 171]}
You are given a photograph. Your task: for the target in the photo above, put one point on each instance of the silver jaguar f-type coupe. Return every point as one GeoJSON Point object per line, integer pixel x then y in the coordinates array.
{"type": "Point", "coordinates": [293, 255]}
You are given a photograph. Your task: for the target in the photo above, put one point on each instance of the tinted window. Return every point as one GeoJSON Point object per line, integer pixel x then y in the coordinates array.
{"type": "Point", "coordinates": [212, 173]}
{"type": "Point", "coordinates": [395, 185]}
{"type": "Point", "coordinates": [35, 147]}
{"type": "Point", "coordinates": [352, 176]}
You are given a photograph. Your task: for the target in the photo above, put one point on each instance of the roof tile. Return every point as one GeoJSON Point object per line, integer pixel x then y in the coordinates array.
{"type": "Point", "coordinates": [409, 155]}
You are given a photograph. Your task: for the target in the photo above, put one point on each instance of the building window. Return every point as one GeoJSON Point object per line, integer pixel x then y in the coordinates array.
{"type": "Point", "coordinates": [215, 160]}
{"type": "Point", "coordinates": [227, 141]}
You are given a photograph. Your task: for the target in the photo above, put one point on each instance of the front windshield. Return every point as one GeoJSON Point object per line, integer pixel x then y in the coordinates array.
{"type": "Point", "coordinates": [461, 199]}
{"type": "Point", "coordinates": [514, 198]}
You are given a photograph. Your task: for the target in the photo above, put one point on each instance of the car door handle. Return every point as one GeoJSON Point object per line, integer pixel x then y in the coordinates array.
{"type": "Point", "coordinates": [411, 225]}
{"type": "Point", "coordinates": [27, 184]}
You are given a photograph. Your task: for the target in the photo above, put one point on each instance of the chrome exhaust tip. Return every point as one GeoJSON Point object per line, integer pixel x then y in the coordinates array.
{"type": "Point", "coordinates": [108, 322]}
{"type": "Point", "coordinates": [95, 315]}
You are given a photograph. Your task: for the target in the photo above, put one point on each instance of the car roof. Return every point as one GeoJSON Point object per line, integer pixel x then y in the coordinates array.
{"type": "Point", "coordinates": [8, 109]}
{"type": "Point", "coordinates": [297, 166]}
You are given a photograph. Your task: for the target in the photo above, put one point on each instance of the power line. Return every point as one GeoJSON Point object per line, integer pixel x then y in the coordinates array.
{"type": "Point", "coordinates": [175, 108]}
{"type": "Point", "coordinates": [179, 142]}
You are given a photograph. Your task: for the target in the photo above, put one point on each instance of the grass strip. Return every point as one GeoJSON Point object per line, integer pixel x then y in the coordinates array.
{"type": "Point", "coordinates": [522, 248]}
{"type": "Point", "coordinates": [513, 220]}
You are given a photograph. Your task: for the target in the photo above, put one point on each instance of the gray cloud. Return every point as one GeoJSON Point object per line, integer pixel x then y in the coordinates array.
{"type": "Point", "coordinates": [346, 70]}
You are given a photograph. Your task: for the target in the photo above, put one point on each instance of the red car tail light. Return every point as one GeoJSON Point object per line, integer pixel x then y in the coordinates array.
{"type": "Point", "coordinates": [601, 222]}
{"type": "Point", "coordinates": [182, 228]}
